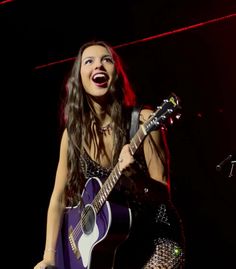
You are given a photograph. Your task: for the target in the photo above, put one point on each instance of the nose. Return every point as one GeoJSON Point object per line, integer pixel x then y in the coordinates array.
{"type": "Point", "coordinates": [98, 64]}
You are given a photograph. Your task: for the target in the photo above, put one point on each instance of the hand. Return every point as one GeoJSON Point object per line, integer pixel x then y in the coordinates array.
{"type": "Point", "coordinates": [125, 158]}
{"type": "Point", "coordinates": [44, 265]}
{"type": "Point", "coordinates": [48, 261]}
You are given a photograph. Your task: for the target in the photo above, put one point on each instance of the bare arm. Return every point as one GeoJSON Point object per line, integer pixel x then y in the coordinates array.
{"type": "Point", "coordinates": [56, 207]}
{"type": "Point", "coordinates": [154, 151]}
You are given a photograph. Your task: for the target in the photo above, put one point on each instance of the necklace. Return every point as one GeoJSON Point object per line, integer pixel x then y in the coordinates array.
{"type": "Point", "coordinates": [105, 128]}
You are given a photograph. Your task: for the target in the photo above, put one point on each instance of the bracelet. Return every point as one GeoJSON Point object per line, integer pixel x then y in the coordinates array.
{"type": "Point", "coordinates": [50, 250]}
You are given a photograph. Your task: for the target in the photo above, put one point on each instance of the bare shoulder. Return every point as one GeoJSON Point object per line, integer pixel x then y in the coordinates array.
{"type": "Point", "coordinates": [64, 139]}
{"type": "Point", "coordinates": [145, 114]}
{"type": "Point", "coordinates": [65, 134]}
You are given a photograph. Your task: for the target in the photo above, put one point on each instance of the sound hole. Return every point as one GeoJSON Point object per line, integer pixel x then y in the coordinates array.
{"type": "Point", "coordinates": [88, 219]}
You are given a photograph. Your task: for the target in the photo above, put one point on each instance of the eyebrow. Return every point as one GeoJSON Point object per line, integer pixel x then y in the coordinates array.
{"type": "Point", "coordinates": [105, 55]}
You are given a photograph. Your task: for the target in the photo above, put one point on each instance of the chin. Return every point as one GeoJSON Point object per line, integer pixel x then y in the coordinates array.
{"type": "Point", "coordinates": [101, 90]}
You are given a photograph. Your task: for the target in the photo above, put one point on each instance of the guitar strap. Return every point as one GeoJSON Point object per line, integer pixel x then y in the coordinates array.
{"type": "Point", "coordinates": [134, 121]}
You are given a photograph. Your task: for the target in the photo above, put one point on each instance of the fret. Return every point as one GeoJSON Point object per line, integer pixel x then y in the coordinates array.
{"type": "Point", "coordinates": [105, 187]}
{"type": "Point", "coordinates": [131, 147]}
{"type": "Point", "coordinates": [116, 176]}
{"type": "Point", "coordinates": [95, 206]}
{"type": "Point", "coordinates": [109, 183]}
{"type": "Point", "coordinates": [101, 200]}
{"type": "Point", "coordinates": [139, 138]}
{"type": "Point", "coordinates": [134, 142]}
{"type": "Point", "coordinates": [154, 122]}
{"type": "Point", "coordinates": [143, 129]}
{"type": "Point", "coordinates": [114, 179]}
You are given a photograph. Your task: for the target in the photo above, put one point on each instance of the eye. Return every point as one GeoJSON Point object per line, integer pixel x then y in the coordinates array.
{"type": "Point", "coordinates": [108, 59]}
{"type": "Point", "coordinates": [88, 61]}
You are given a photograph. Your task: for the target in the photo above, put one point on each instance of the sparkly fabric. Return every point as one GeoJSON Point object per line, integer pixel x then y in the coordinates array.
{"type": "Point", "coordinates": [167, 254]}
{"type": "Point", "coordinates": [92, 169]}
{"type": "Point", "coordinates": [156, 238]}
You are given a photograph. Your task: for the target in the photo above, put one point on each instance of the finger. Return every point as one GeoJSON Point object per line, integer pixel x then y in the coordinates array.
{"type": "Point", "coordinates": [120, 160]}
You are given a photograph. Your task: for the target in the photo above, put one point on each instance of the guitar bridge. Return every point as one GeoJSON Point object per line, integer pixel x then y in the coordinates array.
{"type": "Point", "coordinates": [73, 243]}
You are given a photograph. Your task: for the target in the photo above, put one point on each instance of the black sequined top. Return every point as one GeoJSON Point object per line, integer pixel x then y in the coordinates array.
{"type": "Point", "coordinates": [153, 215]}
{"type": "Point", "coordinates": [93, 169]}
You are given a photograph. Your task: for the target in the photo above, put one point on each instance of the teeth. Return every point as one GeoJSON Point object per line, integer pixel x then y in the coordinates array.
{"type": "Point", "coordinates": [99, 76]}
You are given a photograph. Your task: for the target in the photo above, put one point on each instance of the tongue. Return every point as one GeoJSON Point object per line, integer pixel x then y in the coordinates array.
{"type": "Point", "coordinates": [101, 84]}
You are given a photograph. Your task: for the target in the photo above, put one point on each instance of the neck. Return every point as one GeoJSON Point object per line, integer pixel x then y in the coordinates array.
{"type": "Point", "coordinates": [100, 110]}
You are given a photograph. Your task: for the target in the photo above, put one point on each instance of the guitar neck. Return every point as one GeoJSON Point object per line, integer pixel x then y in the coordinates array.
{"type": "Point", "coordinates": [114, 176]}
{"type": "Point", "coordinates": [159, 116]}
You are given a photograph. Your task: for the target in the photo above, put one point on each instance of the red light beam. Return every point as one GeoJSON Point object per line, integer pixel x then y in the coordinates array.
{"type": "Point", "coordinates": [183, 29]}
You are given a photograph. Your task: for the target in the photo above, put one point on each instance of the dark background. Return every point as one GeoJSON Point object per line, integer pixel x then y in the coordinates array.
{"type": "Point", "coordinates": [198, 64]}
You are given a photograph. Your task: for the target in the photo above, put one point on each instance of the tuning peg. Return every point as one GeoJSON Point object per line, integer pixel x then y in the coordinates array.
{"type": "Point", "coordinates": [178, 115]}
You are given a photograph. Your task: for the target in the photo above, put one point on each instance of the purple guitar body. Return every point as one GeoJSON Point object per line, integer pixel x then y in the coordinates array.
{"type": "Point", "coordinates": [90, 239]}
{"type": "Point", "coordinates": [92, 233]}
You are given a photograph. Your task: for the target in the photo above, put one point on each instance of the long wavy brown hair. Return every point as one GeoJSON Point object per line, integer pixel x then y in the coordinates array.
{"type": "Point", "coordinates": [79, 117]}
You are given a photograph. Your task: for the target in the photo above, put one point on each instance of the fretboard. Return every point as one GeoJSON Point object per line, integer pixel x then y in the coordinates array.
{"type": "Point", "coordinates": [115, 174]}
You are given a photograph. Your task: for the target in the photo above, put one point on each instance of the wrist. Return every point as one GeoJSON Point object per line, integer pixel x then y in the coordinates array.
{"type": "Point", "coordinates": [50, 250]}
{"type": "Point", "coordinates": [49, 253]}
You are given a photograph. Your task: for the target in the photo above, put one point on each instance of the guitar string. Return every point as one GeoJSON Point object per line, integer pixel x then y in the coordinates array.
{"type": "Point", "coordinates": [78, 228]}
{"type": "Point", "coordinates": [134, 144]}
{"type": "Point", "coordinates": [115, 174]}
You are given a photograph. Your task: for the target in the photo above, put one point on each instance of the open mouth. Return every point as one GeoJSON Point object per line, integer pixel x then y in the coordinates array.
{"type": "Point", "coordinates": [100, 79]}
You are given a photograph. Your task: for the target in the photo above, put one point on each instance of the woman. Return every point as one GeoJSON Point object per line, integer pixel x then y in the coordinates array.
{"type": "Point", "coordinates": [94, 143]}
